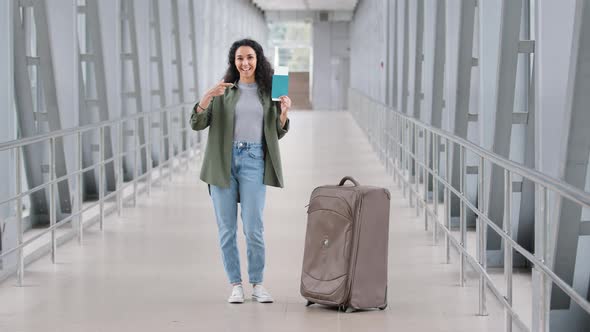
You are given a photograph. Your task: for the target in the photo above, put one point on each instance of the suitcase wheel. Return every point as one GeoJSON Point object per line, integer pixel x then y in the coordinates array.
{"type": "Point", "coordinates": [385, 305]}
{"type": "Point", "coordinates": [309, 303]}
{"type": "Point", "coordinates": [346, 309]}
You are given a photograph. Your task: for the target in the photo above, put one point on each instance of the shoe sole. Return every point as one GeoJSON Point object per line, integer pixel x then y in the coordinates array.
{"type": "Point", "coordinates": [262, 300]}
{"type": "Point", "coordinates": [236, 301]}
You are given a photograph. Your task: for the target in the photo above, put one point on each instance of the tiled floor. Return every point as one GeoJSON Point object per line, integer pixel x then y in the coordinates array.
{"type": "Point", "coordinates": [158, 268]}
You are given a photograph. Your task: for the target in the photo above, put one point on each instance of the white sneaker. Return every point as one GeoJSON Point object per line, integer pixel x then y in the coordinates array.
{"type": "Point", "coordinates": [261, 295]}
{"type": "Point", "coordinates": [237, 295]}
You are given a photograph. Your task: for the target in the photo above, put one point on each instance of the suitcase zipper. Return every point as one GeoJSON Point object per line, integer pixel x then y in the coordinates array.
{"type": "Point", "coordinates": [338, 197]}
{"type": "Point", "coordinates": [330, 210]}
{"type": "Point", "coordinates": [353, 262]}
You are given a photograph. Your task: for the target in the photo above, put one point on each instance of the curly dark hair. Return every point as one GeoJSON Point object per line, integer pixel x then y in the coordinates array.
{"type": "Point", "coordinates": [262, 74]}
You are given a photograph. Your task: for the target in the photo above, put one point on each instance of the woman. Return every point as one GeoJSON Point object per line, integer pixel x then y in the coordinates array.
{"type": "Point", "coordinates": [242, 157]}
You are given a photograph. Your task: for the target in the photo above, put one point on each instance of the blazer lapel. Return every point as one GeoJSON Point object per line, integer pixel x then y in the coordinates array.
{"type": "Point", "coordinates": [230, 106]}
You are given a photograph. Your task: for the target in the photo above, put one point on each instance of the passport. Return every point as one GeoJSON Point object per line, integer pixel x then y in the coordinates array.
{"type": "Point", "coordinates": [280, 83]}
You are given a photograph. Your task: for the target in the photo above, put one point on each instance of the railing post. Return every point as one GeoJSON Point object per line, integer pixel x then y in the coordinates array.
{"type": "Point", "coordinates": [170, 147]}
{"type": "Point", "coordinates": [136, 160]}
{"type": "Point", "coordinates": [19, 218]}
{"type": "Point", "coordinates": [411, 162]}
{"type": "Point", "coordinates": [404, 125]}
{"type": "Point", "coordinates": [101, 177]}
{"type": "Point", "coordinates": [481, 238]}
{"type": "Point", "coordinates": [416, 167]}
{"type": "Point", "coordinates": [148, 153]}
{"type": "Point", "coordinates": [394, 126]}
{"type": "Point", "coordinates": [462, 219]}
{"type": "Point", "coordinates": [448, 199]}
{"type": "Point", "coordinates": [386, 139]}
{"type": "Point", "coordinates": [379, 132]}
{"type": "Point", "coordinates": [161, 148]}
{"type": "Point", "coordinates": [507, 246]}
{"type": "Point", "coordinates": [52, 213]}
{"type": "Point", "coordinates": [373, 129]}
{"type": "Point", "coordinates": [400, 152]}
{"type": "Point", "coordinates": [187, 134]}
{"type": "Point", "coordinates": [411, 165]}
{"type": "Point", "coordinates": [425, 176]}
{"type": "Point", "coordinates": [435, 142]}
{"type": "Point", "coordinates": [396, 147]}
{"type": "Point", "coordinates": [80, 191]}
{"type": "Point", "coordinates": [391, 141]}
{"type": "Point", "coordinates": [384, 134]}
{"type": "Point", "coordinates": [541, 283]}
{"type": "Point", "coordinates": [120, 154]}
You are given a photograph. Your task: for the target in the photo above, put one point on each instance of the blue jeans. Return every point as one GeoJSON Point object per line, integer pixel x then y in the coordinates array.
{"type": "Point", "coordinates": [247, 172]}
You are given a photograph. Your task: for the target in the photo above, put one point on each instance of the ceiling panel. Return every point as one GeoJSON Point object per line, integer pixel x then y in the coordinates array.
{"type": "Point", "coordinates": [332, 4]}
{"type": "Point", "coordinates": [306, 4]}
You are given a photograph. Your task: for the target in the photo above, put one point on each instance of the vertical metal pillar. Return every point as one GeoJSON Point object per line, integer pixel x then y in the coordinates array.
{"type": "Point", "coordinates": [194, 61]}
{"type": "Point", "coordinates": [419, 59]}
{"type": "Point", "coordinates": [391, 53]}
{"type": "Point", "coordinates": [439, 50]}
{"type": "Point", "coordinates": [463, 91]}
{"type": "Point", "coordinates": [92, 88]}
{"type": "Point", "coordinates": [131, 101]}
{"type": "Point", "coordinates": [405, 56]}
{"type": "Point", "coordinates": [573, 169]}
{"type": "Point", "coordinates": [177, 62]}
{"type": "Point", "coordinates": [160, 90]}
{"type": "Point", "coordinates": [418, 94]}
{"type": "Point", "coordinates": [526, 218]}
{"type": "Point", "coordinates": [506, 84]}
{"type": "Point", "coordinates": [37, 110]}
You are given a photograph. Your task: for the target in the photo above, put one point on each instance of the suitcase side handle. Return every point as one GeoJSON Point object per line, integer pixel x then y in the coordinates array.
{"type": "Point", "coordinates": [348, 178]}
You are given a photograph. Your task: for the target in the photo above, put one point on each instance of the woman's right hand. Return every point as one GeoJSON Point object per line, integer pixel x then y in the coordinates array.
{"type": "Point", "coordinates": [217, 90]}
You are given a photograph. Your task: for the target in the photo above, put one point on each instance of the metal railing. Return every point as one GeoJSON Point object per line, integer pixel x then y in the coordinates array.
{"type": "Point", "coordinates": [76, 217]}
{"type": "Point", "coordinates": [395, 137]}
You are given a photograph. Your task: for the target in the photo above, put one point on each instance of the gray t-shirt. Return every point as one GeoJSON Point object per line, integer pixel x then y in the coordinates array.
{"type": "Point", "coordinates": [249, 114]}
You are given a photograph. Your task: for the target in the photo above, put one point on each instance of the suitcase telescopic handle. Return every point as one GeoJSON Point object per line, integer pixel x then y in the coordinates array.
{"type": "Point", "coordinates": [348, 178]}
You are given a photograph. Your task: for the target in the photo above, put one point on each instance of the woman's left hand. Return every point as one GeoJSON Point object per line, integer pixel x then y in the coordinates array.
{"type": "Point", "coordinates": [285, 107]}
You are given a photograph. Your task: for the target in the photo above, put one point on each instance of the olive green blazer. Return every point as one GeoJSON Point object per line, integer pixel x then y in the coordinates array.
{"type": "Point", "coordinates": [219, 117]}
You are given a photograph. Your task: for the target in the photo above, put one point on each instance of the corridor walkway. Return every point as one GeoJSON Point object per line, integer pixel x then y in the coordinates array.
{"type": "Point", "coordinates": [158, 267]}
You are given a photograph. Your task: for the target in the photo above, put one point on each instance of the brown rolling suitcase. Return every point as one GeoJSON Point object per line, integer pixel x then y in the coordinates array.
{"type": "Point", "coordinates": [346, 244]}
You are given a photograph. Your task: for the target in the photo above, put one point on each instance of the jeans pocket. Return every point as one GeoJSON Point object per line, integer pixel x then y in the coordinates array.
{"type": "Point", "coordinates": [256, 153]}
